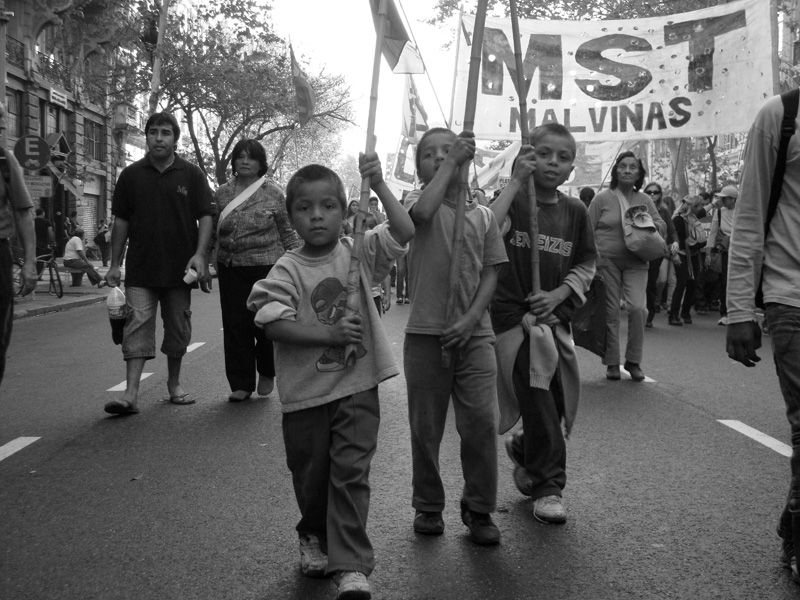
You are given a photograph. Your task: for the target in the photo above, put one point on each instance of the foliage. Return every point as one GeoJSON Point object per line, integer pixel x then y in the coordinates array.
{"type": "Point", "coordinates": [230, 76]}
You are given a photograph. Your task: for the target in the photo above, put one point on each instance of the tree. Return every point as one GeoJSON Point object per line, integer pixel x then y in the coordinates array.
{"type": "Point", "coordinates": [229, 75]}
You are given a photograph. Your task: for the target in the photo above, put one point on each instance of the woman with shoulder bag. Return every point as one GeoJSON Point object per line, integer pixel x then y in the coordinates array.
{"type": "Point", "coordinates": [691, 239]}
{"type": "Point", "coordinates": [252, 230]}
{"type": "Point", "coordinates": [623, 272]}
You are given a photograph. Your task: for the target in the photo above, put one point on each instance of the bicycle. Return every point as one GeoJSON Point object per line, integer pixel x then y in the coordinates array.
{"type": "Point", "coordinates": [55, 289]}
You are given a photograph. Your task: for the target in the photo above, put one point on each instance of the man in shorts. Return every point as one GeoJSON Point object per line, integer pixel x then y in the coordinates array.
{"type": "Point", "coordinates": [162, 209]}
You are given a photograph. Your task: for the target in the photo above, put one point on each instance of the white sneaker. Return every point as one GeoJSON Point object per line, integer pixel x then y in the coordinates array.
{"type": "Point", "coordinates": [313, 561]}
{"type": "Point", "coordinates": [549, 509]}
{"type": "Point", "coordinates": [352, 586]}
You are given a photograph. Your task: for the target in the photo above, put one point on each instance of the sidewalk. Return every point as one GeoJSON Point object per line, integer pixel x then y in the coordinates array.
{"type": "Point", "coordinates": [41, 302]}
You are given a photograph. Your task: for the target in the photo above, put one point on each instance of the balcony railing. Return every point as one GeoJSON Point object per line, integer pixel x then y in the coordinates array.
{"type": "Point", "coordinates": [54, 71]}
{"type": "Point", "coordinates": [15, 52]}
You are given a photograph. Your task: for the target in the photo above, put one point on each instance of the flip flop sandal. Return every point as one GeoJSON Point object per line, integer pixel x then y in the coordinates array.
{"type": "Point", "coordinates": [120, 407]}
{"type": "Point", "coordinates": [182, 399]}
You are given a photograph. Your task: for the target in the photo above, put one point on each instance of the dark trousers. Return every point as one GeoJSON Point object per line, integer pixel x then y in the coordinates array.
{"type": "Point", "coordinates": [329, 451]}
{"type": "Point", "coordinates": [402, 277]}
{"type": "Point", "coordinates": [6, 303]}
{"type": "Point", "coordinates": [652, 286]}
{"type": "Point", "coordinates": [40, 250]}
{"type": "Point", "coordinates": [542, 443]}
{"type": "Point", "coordinates": [683, 296]}
{"type": "Point", "coordinates": [784, 326]}
{"type": "Point", "coordinates": [723, 284]}
{"type": "Point", "coordinates": [247, 350]}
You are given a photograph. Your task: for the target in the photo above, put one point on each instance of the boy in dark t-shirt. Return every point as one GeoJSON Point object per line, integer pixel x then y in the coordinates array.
{"type": "Point", "coordinates": [535, 356]}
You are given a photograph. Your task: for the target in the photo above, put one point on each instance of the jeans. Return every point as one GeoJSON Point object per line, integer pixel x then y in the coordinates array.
{"type": "Point", "coordinates": [628, 284]}
{"type": "Point", "coordinates": [653, 272]}
{"type": "Point", "coordinates": [139, 337]}
{"type": "Point", "coordinates": [329, 450]}
{"type": "Point", "coordinates": [784, 332]}
{"type": "Point", "coordinates": [471, 380]}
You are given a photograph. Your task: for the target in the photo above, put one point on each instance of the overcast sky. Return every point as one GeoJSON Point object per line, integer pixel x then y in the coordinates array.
{"type": "Point", "coordinates": [339, 37]}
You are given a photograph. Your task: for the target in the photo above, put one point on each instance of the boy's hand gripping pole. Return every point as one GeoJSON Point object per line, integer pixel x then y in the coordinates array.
{"type": "Point", "coordinates": [533, 223]}
{"type": "Point", "coordinates": [454, 279]}
{"type": "Point", "coordinates": [353, 274]}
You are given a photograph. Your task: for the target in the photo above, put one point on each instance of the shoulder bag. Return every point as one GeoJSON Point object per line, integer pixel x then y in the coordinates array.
{"type": "Point", "coordinates": [639, 231]}
{"type": "Point", "coordinates": [239, 200]}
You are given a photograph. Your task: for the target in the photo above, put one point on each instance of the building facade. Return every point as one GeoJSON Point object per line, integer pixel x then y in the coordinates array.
{"type": "Point", "coordinates": [57, 87]}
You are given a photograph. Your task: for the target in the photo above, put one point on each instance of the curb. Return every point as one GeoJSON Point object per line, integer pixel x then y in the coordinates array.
{"type": "Point", "coordinates": [21, 313]}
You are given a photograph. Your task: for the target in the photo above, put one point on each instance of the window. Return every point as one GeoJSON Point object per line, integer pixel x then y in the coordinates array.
{"type": "Point", "coordinates": [14, 122]}
{"type": "Point", "coordinates": [94, 138]}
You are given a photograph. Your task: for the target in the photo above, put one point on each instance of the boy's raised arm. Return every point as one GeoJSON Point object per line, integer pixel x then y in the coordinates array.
{"type": "Point", "coordinates": [400, 224]}
{"type": "Point", "coordinates": [524, 166]}
{"type": "Point", "coordinates": [434, 193]}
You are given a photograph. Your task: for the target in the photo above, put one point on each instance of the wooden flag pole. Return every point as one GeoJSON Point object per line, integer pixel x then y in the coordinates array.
{"type": "Point", "coordinates": [353, 275]}
{"type": "Point", "coordinates": [533, 223]}
{"type": "Point", "coordinates": [454, 278]}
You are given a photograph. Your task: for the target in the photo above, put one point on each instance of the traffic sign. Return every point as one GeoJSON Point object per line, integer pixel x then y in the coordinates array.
{"type": "Point", "coordinates": [32, 152]}
{"type": "Point", "coordinates": [39, 186]}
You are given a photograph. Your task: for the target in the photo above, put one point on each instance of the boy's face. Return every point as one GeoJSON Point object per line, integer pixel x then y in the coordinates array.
{"type": "Point", "coordinates": [317, 216]}
{"type": "Point", "coordinates": [373, 206]}
{"type": "Point", "coordinates": [433, 151]}
{"type": "Point", "coordinates": [554, 161]}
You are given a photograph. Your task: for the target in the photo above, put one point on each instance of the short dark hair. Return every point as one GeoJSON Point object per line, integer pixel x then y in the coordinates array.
{"type": "Point", "coordinates": [586, 194]}
{"type": "Point", "coordinates": [254, 150]}
{"type": "Point", "coordinates": [553, 129]}
{"type": "Point", "coordinates": [615, 178]}
{"type": "Point", "coordinates": [163, 118]}
{"type": "Point", "coordinates": [310, 174]}
{"type": "Point", "coordinates": [430, 132]}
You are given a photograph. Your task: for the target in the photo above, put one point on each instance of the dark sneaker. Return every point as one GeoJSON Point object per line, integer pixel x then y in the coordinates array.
{"type": "Point", "coordinates": [521, 478]}
{"type": "Point", "coordinates": [482, 530]}
{"type": "Point", "coordinates": [428, 523]}
{"type": "Point", "coordinates": [352, 585]}
{"type": "Point", "coordinates": [313, 561]}
{"type": "Point", "coordinates": [549, 509]}
{"type": "Point", "coordinates": [675, 321]}
{"type": "Point", "coordinates": [612, 372]}
{"type": "Point", "coordinates": [635, 371]}
{"type": "Point", "coordinates": [688, 318]}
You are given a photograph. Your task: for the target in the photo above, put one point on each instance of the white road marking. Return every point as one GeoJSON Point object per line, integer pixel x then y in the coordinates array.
{"type": "Point", "coordinates": [761, 438]}
{"type": "Point", "coordinates": [195, 346]}
{"type": "Point", "coordinates": [15, 446]}
{"type": "Point", "coordinates": [627, 375]}
{"type": "Point", "coordinates": [120, 387]}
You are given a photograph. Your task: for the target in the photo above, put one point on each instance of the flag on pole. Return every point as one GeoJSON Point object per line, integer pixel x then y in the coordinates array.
{"type": "Point", "coordinates": [415, 119]}
{"type": "Point", "coordinates": [398, 50]}
{"type": "Point", "coordinates": [303, 91]}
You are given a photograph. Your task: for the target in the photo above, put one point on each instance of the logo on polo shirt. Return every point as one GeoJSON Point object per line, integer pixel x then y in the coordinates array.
{"type": "Point", "coordinates": [182, 190]}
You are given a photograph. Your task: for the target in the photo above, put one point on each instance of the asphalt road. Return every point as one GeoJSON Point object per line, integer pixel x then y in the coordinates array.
{"type": "Point", "coordinates": [195, 502]}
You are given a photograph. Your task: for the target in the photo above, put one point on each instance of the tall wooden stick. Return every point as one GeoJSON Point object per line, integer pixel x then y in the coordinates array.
{"type": "Point", "coordinates": [454, 278]}
{"type": "Point", "coordinates": [533, 223]}
{"type": "Point", "coordinates": [353, 275]}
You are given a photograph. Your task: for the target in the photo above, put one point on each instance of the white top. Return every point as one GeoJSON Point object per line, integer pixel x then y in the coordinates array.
{"type": "Point", "coordinates": [74, 245]}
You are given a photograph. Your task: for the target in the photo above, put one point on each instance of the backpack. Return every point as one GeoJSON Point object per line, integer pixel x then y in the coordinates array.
{"type": "Point", "coordinates": [696, 236]}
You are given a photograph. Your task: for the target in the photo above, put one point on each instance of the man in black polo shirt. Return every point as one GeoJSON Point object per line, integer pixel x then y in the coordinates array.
{"type": "Point", "coordinates": [162, 208]}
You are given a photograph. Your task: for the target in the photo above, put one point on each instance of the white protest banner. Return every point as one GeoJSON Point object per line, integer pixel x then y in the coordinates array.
{"type": "Point", "coordinates": [704, 72]}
